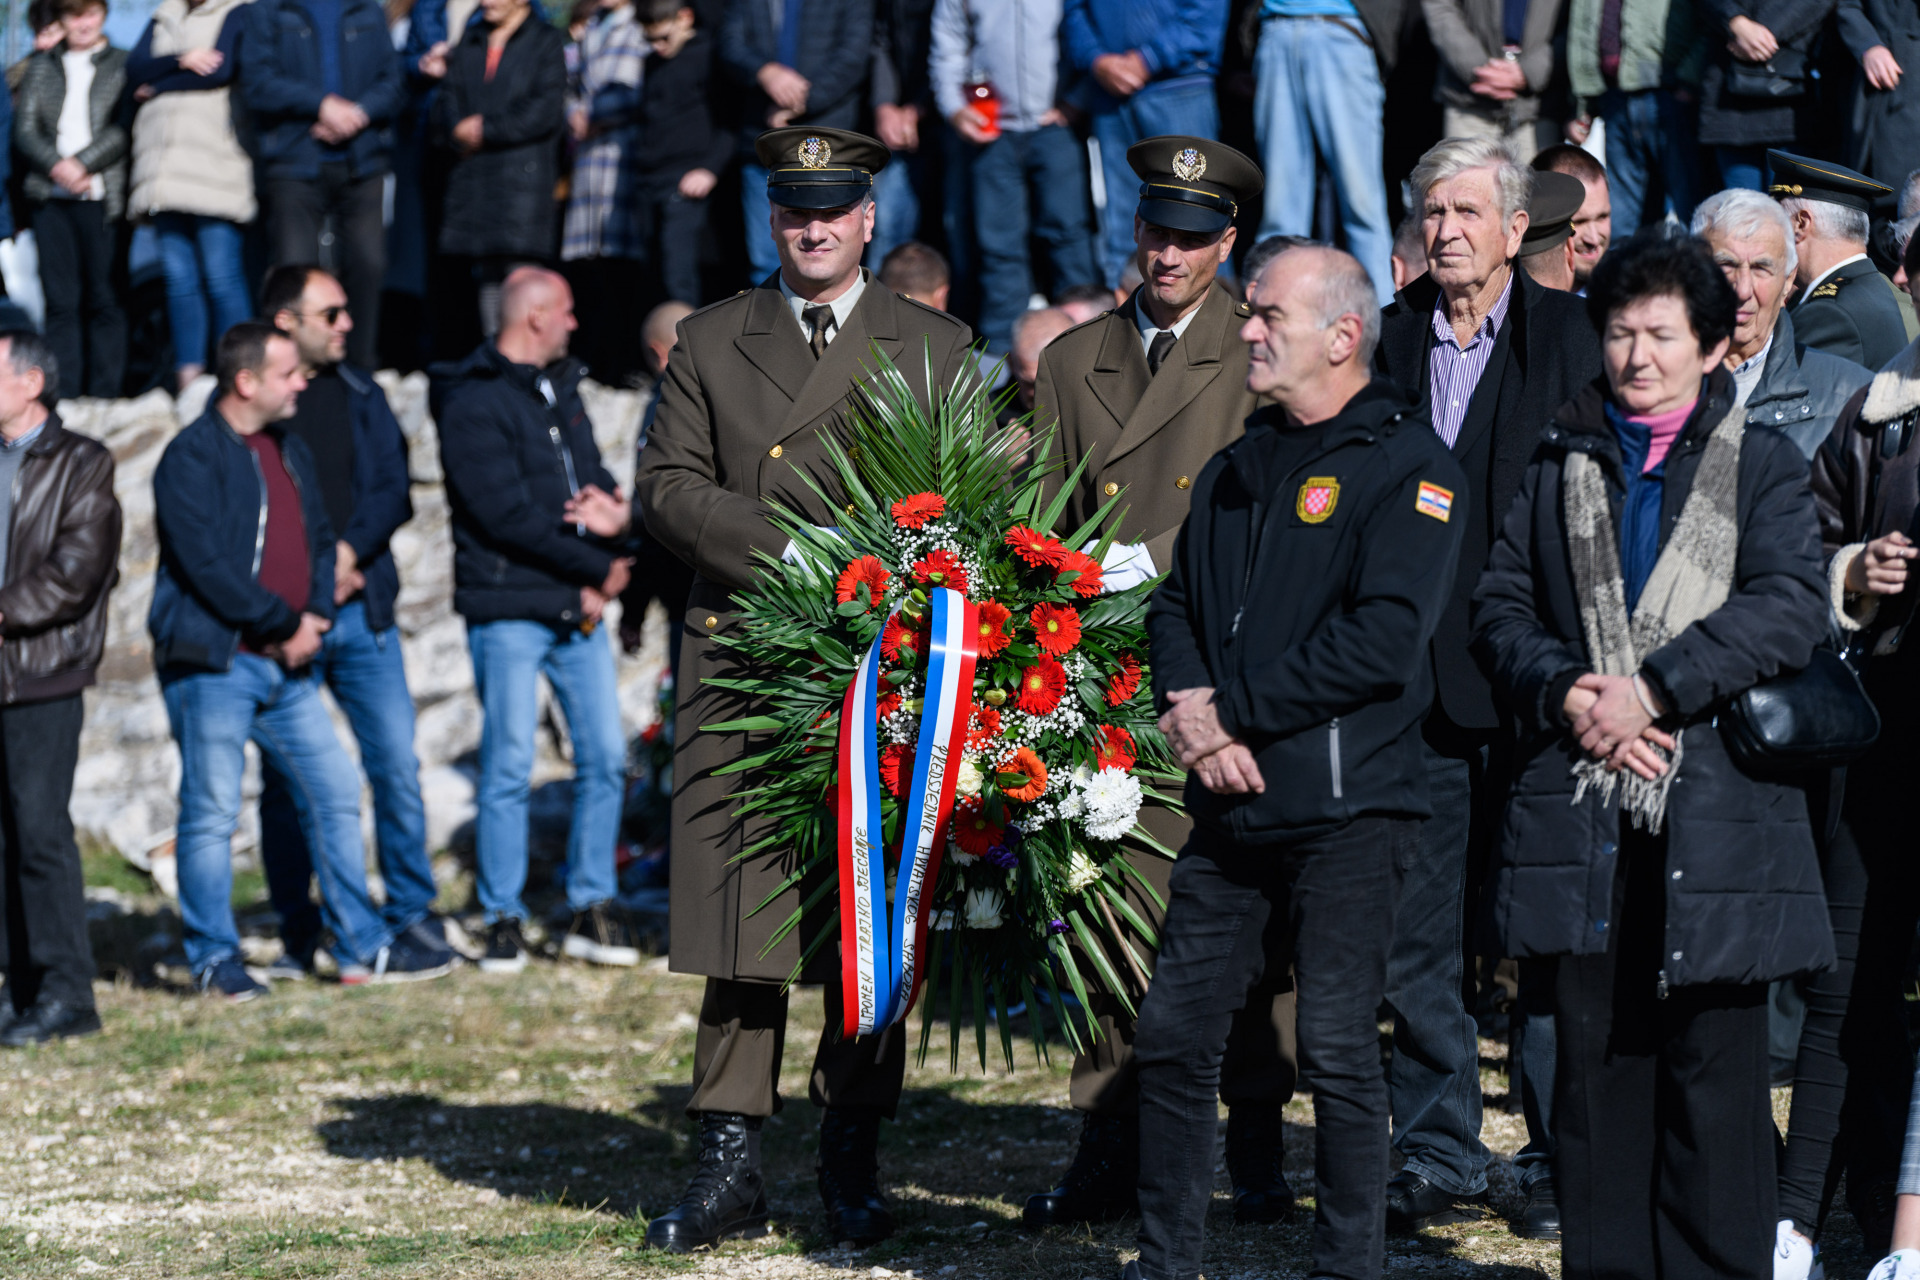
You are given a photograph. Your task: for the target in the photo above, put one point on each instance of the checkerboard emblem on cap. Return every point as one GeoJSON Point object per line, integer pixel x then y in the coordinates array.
{"type": "Point", "coordinates": [814, 153]}
{"type": "Point", "coordinates": [1189, 164]}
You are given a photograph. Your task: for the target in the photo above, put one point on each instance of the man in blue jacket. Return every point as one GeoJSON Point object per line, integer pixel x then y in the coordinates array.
{"type": "Point", "coordinates": [324, 86]}
{"type": "Point", "coordinates": [1152, 64]}
{"type": "Point", "coordinates": [241, 606]}
{"type": "Point", "coordinates": [360, 457]}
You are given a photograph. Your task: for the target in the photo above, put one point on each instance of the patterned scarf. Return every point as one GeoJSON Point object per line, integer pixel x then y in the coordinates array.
{"type": "Point", "coordinates": [1692, 578]}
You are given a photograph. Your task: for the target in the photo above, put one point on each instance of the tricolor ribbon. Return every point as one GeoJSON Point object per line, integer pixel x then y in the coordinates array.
{"type": "Point", "coordinates": [881, 951]}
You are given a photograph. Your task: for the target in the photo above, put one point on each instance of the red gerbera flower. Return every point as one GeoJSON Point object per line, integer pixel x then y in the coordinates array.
{"type": "Point", "coordinates": [885, 705]}
{"type": "Point", "coordinates": [973, 830]}
{"type": "Point", "coordinates": [917, 510]}
{"type": "Point", "coordinates": [1125, 682]}
{"type": "Point", "coordinates": [1088, 583]}
{"type": "Point", "coordinates": [1041, 687]}
{"type": "Point", "coordinates": [1056, 627]}
{"type": "Point", "coordinates": [1029, 766]}
{"type": "Point", "coordinates": [941, 569]}
{"type": "Point", "coordinates": [1036, 548]}
{"type": "Point", "coordinates": [894, 763]}
{"type": "Point", "coordinates": [994, 617]}
{"type": "Point", "coordinates": [866, 571]}
{"type": "Point", "coordinates": [1115, 749]}
{"type": "Point", "coordinates": [987, 722]}
{"type": "Point", "coordinates": [821, 719]}
{"type": "Point", "coordinates": [896, 635]}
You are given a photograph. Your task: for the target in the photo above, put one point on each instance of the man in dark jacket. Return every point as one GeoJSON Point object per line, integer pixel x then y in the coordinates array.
{"type": "Point", "coordinates": [1843, 305]}
{"type": "Point", "coordinates": [361, 460]}
{"type": "Point", "coordinates": [516, 447]}
{"type": "Point", "coordinates": [1289, 642]}
{"type": "Point", "coordinates": [901, 95]}
{"type": "Point", "coordinates": [796, 62]}
{"type": "Point", "coordinates": [59, 543]}
{"type": "Point", "coordinates": [324, 86]}
{"type": "Point", "coordinates": [242, 603]}
{"type": "Point", "coordinates": [1491, 354]}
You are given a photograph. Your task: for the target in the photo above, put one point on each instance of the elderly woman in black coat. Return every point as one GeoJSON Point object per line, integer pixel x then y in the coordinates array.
{"type": "Point", "coordinates": [1659, 560]}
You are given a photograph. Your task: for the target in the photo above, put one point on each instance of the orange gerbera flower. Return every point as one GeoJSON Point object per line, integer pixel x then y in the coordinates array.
{"type": "Point", "coordinates": [1125, 682]}
{"type": "Point", "coordinates": [885, 705]}
{"type": "Point", "coordinates": [1028, 766]}
{"type": "Point", "coordinates": [894, 764]}
{"type": "Point", "coordinates": [1115, 748]}
{"type": "Point", "coordinates": [1041, 687]}
{"type": "Point", "coordinates": [994, 617]}
{"type": "Point", "coordinates": [973, 830]}
{"type": "Point", "coordinates": [918, 509]}
{"type": "Point", "coordinates": [1036, 548]}
{"type": "Point", "coordinates": [1088, 584]}
{"type": "Point", "coordinates": [866, 572]}
{"type": "Point", "coordinates": [1056, 627]}
{"type": "Point", "coordinates": [897, 635]}
{"type": "Point", "coordinates": [941, 569]}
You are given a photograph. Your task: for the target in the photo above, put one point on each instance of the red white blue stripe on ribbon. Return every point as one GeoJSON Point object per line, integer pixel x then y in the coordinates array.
{"type": "Point", "coordinates": [881, 952]}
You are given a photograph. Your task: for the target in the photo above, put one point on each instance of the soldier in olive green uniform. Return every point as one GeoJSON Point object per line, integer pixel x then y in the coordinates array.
{"type": "Point", "coordinates": [1144, 395]}
{"type": "Point", "coordinates": [753, 382]}
{"type": "Point", "coordinates": [1845, 307]}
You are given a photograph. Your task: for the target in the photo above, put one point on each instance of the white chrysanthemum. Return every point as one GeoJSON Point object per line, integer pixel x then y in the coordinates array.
{"type": "Point", "coordinates": [1081, 871]}
{"type": "Point", "coordinates": [968, 779]}
{"type": "Point", "coordinates": [1112, 801]}
{"type": "Point", "coordinates": [983, 908]}
{"type": "Point", "coordinates": [942, 919]}
{"type": "Point", "coordinates": [960, 857]}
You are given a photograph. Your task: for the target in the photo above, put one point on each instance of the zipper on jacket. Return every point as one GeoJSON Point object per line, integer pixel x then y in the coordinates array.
{"type": "Point", "coordinates": [566, 464]}
{"type": "Point", "coordinates": [1660, 987]}
{"type": "Point", "coordinates": [1253, 559]}
{"type": "Point", "coordinates": [1333, 755]}
{"type": "Point", "coordinates": [259, 534]}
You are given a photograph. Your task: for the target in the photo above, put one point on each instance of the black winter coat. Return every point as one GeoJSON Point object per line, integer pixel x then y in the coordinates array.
{"type": "Point", "coordinates": [1311, 623]}
{"type": "Point", "coordinates": [500, 198]}
{"type": "Point", "coordinates": [1545, 352]}
{"type": "Point", "coordinates": [835, 53]}
{"type": "Point", "coordinates": [512, 461]}
{"type": "Point", "coordinates": [1887, 143]}
{"type": "Point", "coordinates": [1736, 120]}
{"type": "Point", "coordinates": [1744, 897]}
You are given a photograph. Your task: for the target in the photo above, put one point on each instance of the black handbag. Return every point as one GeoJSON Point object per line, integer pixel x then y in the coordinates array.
{"type": "Point", "coordinates": [1784, 75]}
{"type": "Point", "coordinates": [1818, 717]}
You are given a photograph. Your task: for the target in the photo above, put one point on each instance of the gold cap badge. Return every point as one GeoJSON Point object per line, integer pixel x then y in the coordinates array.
{"type": "Point", "coordinates": [1189, 164]}
{"type": "Point", "coordinates": [814, 153]}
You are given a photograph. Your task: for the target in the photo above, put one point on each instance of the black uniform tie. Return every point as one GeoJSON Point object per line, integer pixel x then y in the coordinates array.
{"type": "Point", "coordinates": [1162, 343]}
{"type": "Point", "coordinates": [817, 318]}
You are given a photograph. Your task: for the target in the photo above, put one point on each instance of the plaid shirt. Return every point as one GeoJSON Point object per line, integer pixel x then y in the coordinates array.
{"type": "Point", "coordinates": [602, 219]}
{"type": "Point", "coordinates": [1455, 370]}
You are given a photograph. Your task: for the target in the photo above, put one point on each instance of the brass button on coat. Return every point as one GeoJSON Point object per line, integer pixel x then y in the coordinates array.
{"type": "Point", "coordinates": [775, 452]}
{"type": "Point", "coordinates": [1182, 483]}
{"type": "Point", "coordinates": [1111, 489]}
{"type": "Point", "coordinates": [712, 622]}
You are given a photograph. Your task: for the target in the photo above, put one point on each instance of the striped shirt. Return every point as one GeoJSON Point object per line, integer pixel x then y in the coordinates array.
{"type": "Point", "coordinates": [1455, 370]}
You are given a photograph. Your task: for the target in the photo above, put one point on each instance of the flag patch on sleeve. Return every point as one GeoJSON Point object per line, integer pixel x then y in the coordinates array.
{"type": "Point", "coordinates": [1434, 501]}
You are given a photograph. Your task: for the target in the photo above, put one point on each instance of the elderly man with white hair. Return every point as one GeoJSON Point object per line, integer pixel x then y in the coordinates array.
{"type": "Point", "coordinates": [1845, 307]}
{"type": "Point", "coordinates": [1490, 353]}
{"type": "Point", "coordinates": [1785, 383]}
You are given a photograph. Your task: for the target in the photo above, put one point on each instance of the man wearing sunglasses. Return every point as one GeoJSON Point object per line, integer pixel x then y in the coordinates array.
{"type": "Point", "coordinates": [360, 458]}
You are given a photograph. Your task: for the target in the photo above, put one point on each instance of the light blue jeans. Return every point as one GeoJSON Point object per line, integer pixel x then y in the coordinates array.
{"type": "Point", "coordinates": [757, 212]}
{"type": "Point", "coordinates": [508, 658]}
{"type": "Point", "coordinates": [213, 715]}
{"type": "Point", "coordinates": [201, 258]}
{"type": "Point", "coordinates": [1186, 105]}
{"type": "Point", "coordinates": [1319, 91]}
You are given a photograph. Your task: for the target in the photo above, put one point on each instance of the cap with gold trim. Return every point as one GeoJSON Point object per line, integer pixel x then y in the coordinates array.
{"type": "Point", "coordinates": [1556, 198]}
{"type": "Point", "coordinates": [1192, 184]}
{"type": "Point", "coordinates": [1791, 175]}
{"type": "Point", "coordinates": [818, 168]}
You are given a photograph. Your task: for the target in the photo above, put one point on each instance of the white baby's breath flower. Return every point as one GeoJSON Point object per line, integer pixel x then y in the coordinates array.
{"type": "Point", "coordinates": [983, 908]}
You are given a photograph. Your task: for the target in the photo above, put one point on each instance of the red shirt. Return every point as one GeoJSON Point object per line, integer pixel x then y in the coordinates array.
{"type": "Point", "coordinates": [286, 567]}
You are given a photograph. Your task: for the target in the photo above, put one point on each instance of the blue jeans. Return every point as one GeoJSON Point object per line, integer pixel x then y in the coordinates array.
{"type": "Point", "coordinates": [1029, 184]}
{"type": "Point", "coordinates": [757, 211]}
{"type": "Point", "coordinates": [1435, 1075]}
{"type": "Point", "coordinates": [213, 715]}
{"type": "Point", "coordinates": [1652, 161]}
{"type": "Point", "coordinates": [1185, 105]}
{"type": "Point", "coordinates": [1318, 92]}
{"type": "Point", "coordinates": [201, 257]}
{"type": "Point", "coordinates": [507, 659]}
{"type": "Point", "coordinates": [896, 213]}
{"type": "Point", "coordinates": [363, 668]}
{"type": "Point", "coordinates": [1742, 167]}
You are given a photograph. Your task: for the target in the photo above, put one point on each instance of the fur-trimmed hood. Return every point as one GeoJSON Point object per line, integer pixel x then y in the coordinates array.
{"type": "Point", "coordinates": [1895, 390]}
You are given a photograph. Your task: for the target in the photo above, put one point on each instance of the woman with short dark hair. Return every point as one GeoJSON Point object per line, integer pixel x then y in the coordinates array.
{"type": "Point", "coordinates": [1659, 560]}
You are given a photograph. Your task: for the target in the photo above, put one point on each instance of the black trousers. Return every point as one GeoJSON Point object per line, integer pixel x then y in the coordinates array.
{"type": "Point", "coordinates": [1664, 1145]}
{"type": "Point", "coordinates": [43, 905]}
{"type": "Point", "coordinates": [297, 214]}
{"type": "Point", "coordinates": [671, 227]}
{"type": "Point", "coordinates": [1336, 893]}
{"type": "Point", "coordinates": [86, 325]}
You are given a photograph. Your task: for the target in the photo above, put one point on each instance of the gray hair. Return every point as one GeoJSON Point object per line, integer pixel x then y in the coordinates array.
{"type": "Point", "coordinates": [1451, 157]}
{"type": "Point", "coordinates": [1743, 214]}
{"type": "Point", "coordinates": [1832, 221]}
{"type": "Point", "coordinates": [1345, 289]}
{"type": "Point", "coordinates": [1909, 197]}
{"type": "Point", "coordinates": [1265, 252]}
{"type": "Point", "coordinates": [27, 350]}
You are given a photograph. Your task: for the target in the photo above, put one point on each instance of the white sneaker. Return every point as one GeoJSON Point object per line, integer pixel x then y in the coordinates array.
{"type": "Point", "coordinates": [1794, 1256]}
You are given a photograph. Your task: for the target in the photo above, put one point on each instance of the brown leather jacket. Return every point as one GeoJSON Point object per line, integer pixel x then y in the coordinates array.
{"type": "Point", "coordinates": [62, 560]}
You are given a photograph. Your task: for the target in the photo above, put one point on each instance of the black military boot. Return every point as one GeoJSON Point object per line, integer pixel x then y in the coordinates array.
{"type": "Point", "coordinates": [849, 1172]}
{"type": "Point", "coordinates": [727, 1198]}
{"type": "Point", "coordinates": [1102, 1183]}
{"type": "Point", "coordinates": [1255, 1149]}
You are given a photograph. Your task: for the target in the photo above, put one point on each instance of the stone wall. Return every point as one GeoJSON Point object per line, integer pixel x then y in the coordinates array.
{"type": "Point", "coordinates": [125, 791]}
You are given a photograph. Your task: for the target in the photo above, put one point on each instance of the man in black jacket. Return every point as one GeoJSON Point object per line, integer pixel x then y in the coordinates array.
{"type": "Point", "coordinates": [1289, 641]}
{"type": "Point", "coordinates": [1490, 354]}
{"type": "Point", "coordinates": [516, 446]}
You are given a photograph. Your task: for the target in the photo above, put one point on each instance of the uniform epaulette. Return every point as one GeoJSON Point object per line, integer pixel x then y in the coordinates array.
{"type": "Point", "coordinates": [1831, 289]}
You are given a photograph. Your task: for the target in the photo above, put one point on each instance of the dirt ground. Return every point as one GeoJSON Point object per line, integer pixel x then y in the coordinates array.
{"type": "Point", "coordinates": [525, 1126]}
